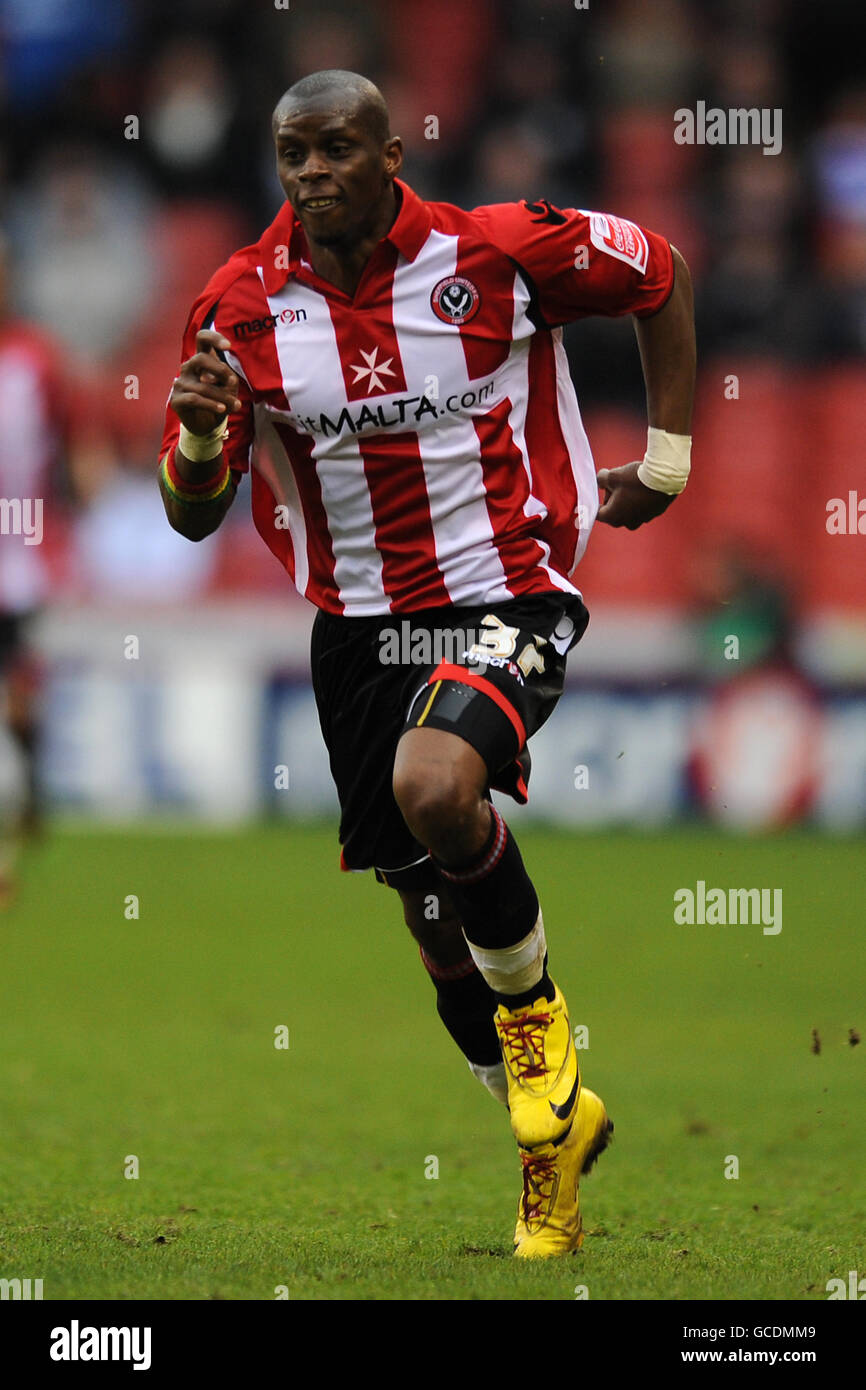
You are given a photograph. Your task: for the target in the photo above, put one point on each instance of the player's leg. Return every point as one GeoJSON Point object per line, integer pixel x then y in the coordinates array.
{"type": "Point", "coordinates": [362, 706]}
{"type": "Point", "coordinates": [471, 734]}
{"type": "Point", "coordinates": [440, 783]}
{"type": "Point", "coordinates": [21, 712]}
{"type": "Point", "coordinates": [18, 711]}
{"type": "Point", "coordinates": [464, 1000]}
{"type": "Point", "coordinates": [560, 1127]}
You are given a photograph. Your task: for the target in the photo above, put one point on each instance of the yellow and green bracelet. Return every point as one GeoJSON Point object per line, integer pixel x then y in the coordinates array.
{"type": "Point", "coordinates": [191, 493]}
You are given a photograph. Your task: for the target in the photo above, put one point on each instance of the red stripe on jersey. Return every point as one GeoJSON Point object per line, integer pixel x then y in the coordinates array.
{"type": "Point", "coordinates": [244, 303]}
{"type": "Point", "coordinates": [264, 505]}
{"type": "Point", "coordinates": [552, 477]}
{"type": "Point", "coordinates": [247, 300]}
{"type": "Point", "coordinates": [507, 489]}
{"type": "Point", "coordinates": [367, 343]}
{"type": "Point", "coordinates": [401, 514]}
{"type": "Point", "coordinates": [29, 445]}
{"type": "Point", "coordinates": [321, 587]}
{"type": "Point", "coordinates": [445, 671]}
{"type": "Point", "coordinates": [486, 336]}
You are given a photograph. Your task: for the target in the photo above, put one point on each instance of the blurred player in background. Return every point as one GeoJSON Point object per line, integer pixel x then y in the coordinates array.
{"type": "Point", "coordinates": [32, 445]}
{"type": "Point", "coordinates": [426, 460]}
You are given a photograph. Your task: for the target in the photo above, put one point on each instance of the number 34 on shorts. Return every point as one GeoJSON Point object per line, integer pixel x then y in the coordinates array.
{"type": "Point", "coordinates": [500, 640]}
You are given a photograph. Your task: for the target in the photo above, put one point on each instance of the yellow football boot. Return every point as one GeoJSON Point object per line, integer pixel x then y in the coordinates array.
{"type": "Point", "coordinates": [548, 1214]}
{"type": "Point", "coordinates": [541, 1070]}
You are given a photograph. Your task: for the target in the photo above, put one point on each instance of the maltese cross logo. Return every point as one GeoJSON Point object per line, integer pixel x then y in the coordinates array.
{"type": "Point", "coordinates": [374, 370]}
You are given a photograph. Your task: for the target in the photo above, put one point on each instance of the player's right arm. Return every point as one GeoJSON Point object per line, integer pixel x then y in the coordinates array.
{"type": "Point", "coordinates": [197, 492]}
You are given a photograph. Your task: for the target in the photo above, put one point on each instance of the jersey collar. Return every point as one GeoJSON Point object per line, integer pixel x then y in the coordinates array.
{"type": "Point", "coordinates": [412, 224]}
{"type": "Point", "coordinates": [284, 245]}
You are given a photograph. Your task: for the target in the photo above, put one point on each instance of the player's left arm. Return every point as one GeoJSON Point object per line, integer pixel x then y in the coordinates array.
{"type": "Point", "coordinates": [666, 341]}
{"type": "Point", "coordinates": [581, 263]}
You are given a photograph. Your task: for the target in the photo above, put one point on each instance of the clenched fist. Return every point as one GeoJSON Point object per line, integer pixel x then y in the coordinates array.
{"type": "Point", "coordinates": [205, 391]}
{"type": "Point", "coordinates": [629, 502]}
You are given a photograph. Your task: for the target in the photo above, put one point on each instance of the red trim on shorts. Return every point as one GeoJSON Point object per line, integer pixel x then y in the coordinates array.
{"type": "Point", "coordinates": [446, 671]}
{"type": "Point", "coordinates": [500, 783]}
{"type": "Point", "coordinates": [522, 789]}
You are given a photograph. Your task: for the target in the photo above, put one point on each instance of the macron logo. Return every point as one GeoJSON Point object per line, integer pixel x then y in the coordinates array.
{"type": "Point", "coordinates": [250, 328]}
{"type": "Point", "coordinates": [75, 1343]}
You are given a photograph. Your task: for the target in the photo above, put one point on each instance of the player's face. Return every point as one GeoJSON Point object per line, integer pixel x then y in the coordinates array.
{"type": "Point", "coordinates": [334, 173]}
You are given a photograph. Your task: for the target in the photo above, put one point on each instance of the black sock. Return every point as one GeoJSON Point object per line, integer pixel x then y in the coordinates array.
{"type": "Point", "coordinates": [496, 903]}
{"type": "Point", "coordinates": [493, 894]}
{"type": "Point", "coordinates": [466, 1005]}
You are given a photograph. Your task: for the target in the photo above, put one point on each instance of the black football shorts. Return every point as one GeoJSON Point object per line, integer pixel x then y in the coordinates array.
{"type": "Point", "coordinates": [491, 675]}
{"type": "Point", "coordinates": [13, 637]}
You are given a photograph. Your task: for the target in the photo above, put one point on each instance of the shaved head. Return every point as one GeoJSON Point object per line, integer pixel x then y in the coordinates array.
{"type": "Point", "coordinates": [346, 93]}
{"type": "Point", "coordinates": [337, 162]}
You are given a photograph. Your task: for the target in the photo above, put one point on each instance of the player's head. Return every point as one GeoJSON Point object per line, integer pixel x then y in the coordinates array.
{"type": "Point", "coordinates": [334, 142]}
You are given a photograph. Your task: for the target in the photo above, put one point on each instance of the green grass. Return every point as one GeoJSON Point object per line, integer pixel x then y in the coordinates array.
{"type": "Point", "coordinates": [305, 1167]}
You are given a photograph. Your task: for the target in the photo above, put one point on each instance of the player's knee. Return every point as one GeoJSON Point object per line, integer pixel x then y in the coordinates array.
{"type": "Point", "coordinates": [437, 803]}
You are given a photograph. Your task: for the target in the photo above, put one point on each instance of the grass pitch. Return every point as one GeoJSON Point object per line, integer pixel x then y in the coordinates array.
{"type": "Point", "coordinates": [303, 1168]}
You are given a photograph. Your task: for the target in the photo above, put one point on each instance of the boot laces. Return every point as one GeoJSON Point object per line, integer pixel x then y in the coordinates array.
{"type": "Point", "coordinates": [523, 1038]}
{"type": "Point", "coordinates": [539, 1171]}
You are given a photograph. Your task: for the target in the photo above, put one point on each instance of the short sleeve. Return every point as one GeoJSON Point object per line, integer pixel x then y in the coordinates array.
{"type": "Point", "coordinates": [237, 445]}
{"type": "Point", "coordinates": [582, 263]}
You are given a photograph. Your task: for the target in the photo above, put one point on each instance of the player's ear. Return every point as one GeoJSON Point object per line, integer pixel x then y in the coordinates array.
{"type": "Point", "coordinates": [393, 157]}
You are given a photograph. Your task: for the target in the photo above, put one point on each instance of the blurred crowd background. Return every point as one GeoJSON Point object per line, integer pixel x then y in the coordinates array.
{"type": "Point", "coordinates": [135, 157]}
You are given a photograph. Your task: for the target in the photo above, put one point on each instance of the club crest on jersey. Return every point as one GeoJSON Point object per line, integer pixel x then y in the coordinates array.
{"type": "Point", "coordinates": [455, 300]}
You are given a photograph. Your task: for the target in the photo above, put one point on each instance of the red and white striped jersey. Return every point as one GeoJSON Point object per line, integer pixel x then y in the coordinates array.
{"type": "Point", "coordinates": [32, 439]}
{"type": "Point", "coordinates": [419, 444]}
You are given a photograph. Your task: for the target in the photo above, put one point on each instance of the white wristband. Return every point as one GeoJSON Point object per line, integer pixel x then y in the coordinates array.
{"type": "Point", "coordinates": [667, 461]}
{"type": "Point", "coordinates": [201, 447]}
